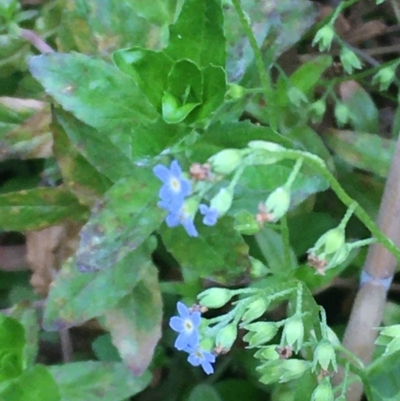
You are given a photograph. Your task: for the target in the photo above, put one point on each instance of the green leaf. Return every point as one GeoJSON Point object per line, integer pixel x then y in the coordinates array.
{"type": "Point", "coordinates": [198, 34]}
{"type": "Point", "coordinates": [100, 28]}
{"type": "Point", "coordinates": [382, 378]}
{"type": "Point", "coordinates": [80, 177]}
{"type": "Point", "coordinates": [38, 208]}
{"type": "Point", "coordinates": [204, 392]}
{"type": "Point", "coordinates": [105, 350]}
{"type": "Point", "coordinates": [97, 93]}
{"type": "Point", "coordinates": [219, 251]}
{"type": "Point", "coordinates": [75, 297]}
{"type": "Point", "coordinates": [98, 148]}
{"type": "Point", "coordinates": [272, 248]}
{"type": "Point", "coordinates": [97, 381]}
{"type": "Point", "coordinates": [135, 323]}
{"type": "Point", "coordinates": [149, 69]}
{"type": "Point", "coordinates": [36, 384]}
{"type": "Point", "coordinates": [369, 152]}
{"type": "Point", "coordinates": [12, 343]}
{"type": "Point", "coordinates": [363, 113]}
{"type": "Point", "coordinates": [120, 221]}
{"type": "Point", "coordinates": [172, 112]}
{"type": "Point", "coordinates": [29, 319]}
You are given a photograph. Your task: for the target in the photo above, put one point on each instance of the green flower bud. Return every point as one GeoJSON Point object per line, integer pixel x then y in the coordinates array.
{"type": "Point", "coordinates": [323, 392]}
{"type": "Point", "coordinates": [226, 161]}
{"type": "Point", "coordinates": [385, 77]}
{"type": "Point", "coordinates": [258, 269]}
{"type": "Point", "coordinates": [325, 356]}
{"type": "Point", "coordinates": [277, 203]}
{"type": "Point", "coordinates": [341, 113]}
{"type": "Point", "coordinates": [268, 352]}
{"type": "Point", "coordinates": [259, 333]}
{"type": "Point", "coordinates": [317, 110]}
{"type": "Point", "coordinates": [296, 96]}
{"type": "Point", "coordinates": [349, 60]}
{"type": "Point", "coordinates": [254, 310]}
{"type": "Point", "coordinates": [226, 336]}
{"type": "Point", "coordinates": [291, 369]}
{"type": "Point", "coordinates": [222, 201]}
{"type": "Point", "coordinates": [235, 91]}
{"type": "Point", "coordinates": [265, 145]}
{"type": "Point", "coordinates": [293, 332]}
{"type": "Point", "coordinates": [207, 344]}
{"type": "Point", "coordinates": [324, 37]}
{"type": "Point", "coordinates": [214, 297]}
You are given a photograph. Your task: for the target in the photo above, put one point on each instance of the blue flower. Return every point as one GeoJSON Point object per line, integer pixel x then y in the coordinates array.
{"type": "Point", "coordinates": [186, 325]}
{"type": "Point", "coordinates": [179, 216]}
{"type": "Point", "coordinates": [175, 187]}
{"type": "Point", "coordinates": [210, 215]}
{"type": "Point", "coordinates": [199, 357]}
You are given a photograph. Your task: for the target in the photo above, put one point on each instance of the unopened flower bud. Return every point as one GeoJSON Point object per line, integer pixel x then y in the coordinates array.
{"type": "Point", "coordinates": [254, 310]}
{"type": "Point", "coordinates": [268, 352]}
{"type": "Point", "coordinates": [317, 110]}
{"type": "Point", "coordinates": [214, 297]}
{"type": "Point", "coordinates": [258, 269]}
{"type": "Point", "coordinates": [324, 38]}
{"type": "Point", "coordinates": [235, 91]}
{"type": "Point", "coordinates": [349, 60]}
{"type": "Point", "coordinates": [226, 336]}
{"type": "Point", "coordinates": [385, 77]}
{"type": "Point", "coordinates": [226, 161]}
{"type": "Point", "coordinates": [293, 332]}
{"type": "Point", "coordinates": [341, 113]}
{"type": "Point", "coordinates": [259, 333]}
{"type": "Point", "coordinates": [292, 369]}
{"type": "Point", "coordinates": [222, 201]}
{"type": "Point", "coordinates": [296, 96]}
{"type": "Point", "coordinates": [323, 392]}
{"type": "Point", "coordinates": [325, 356]}
{"type": "Point", "coordinates": [277, 204]}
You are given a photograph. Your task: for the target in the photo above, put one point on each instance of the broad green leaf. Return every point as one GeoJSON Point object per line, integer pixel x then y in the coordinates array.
{"type": "Point", "coordinates": [12, 343]}
{"type": "Point", "coordinates": [99, 28]}
{"type": "Point", "coordinates": [104, 349]}
{"type": "Point", "coordinates": [99, 149]}
{"type": "Point", "coordinates": [364, 116]}
{"type": "Point", "coordinates": [218, 251]}
{"type": "Point", "coordinates": [38, 208]}
{"type": "Point", "coordinates": [307, 76]}
{"type": "Point", "coordinates": [365, 151]}
{"type": "Point", "coordinates": [382, 378]}
{"type": "Point", "coordinates": [204, 392]}
{"type": "Point", "coordinates": [35, 384]}
{"type": "Point", "coordinates": [214, 89]}
{"type": "Point", "coordinates": [157, 12]}
{"type": "Point", "coordinates": [149, 69]}
{"type": "Point", "coordinates": [80, 177]}
{"type": "Point", "coordinates": [272, 248]}
{"type": "Point", "coordinates": [97, 381]}
{"type": "Point", "coordinates": [97, 93]}
{"type": "Point", "coordinates": [75, 297]}
{"type": "Point", "coordinates": [135, 323]}
{"type": "Point", "coordinates": [198, 34]}
{"type": "Point", "coordinates": [120, 221]}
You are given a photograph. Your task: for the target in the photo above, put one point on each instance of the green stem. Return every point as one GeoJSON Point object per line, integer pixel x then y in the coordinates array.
{"type": "Point", "coordinates": [264, 76]}
{"type": "Point", "coordinates": [294, 173]}
{"type": "Point", "coordinates": [318, 164]}
{"type": "Point", "coordinates": [286, 240]}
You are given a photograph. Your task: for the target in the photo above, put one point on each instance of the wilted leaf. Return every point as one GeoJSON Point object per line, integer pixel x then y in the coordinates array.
{"type": "Point", "coordinates": [38, 208]}
{"type": "Point", "coordinates": [369, 152]}
{"type": "Point", "coordinates": [135, 323]}
{"type": "Point", "coordinates": [76, 297]}
{"type": "Point", "coordinates": [120, 221]}
{"type": "Point", "coordinates": [97, 381]}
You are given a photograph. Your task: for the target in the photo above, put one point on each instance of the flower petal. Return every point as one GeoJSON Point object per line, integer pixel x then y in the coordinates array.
{"type": "Point", "coordinates": [183, 310]}
{"type": "Point", "coordinates": [161, 172]}
{"type": "Point", "coordinates": [193, 360]}
{"type": "Point", "coordinates": [207, 367]}
{"type": "Point", "coordinates": [175, 169]}
{"type": "Point", "coordinates": [196, 318]}
{"type": "Point", "coordinates": [190, 227]}
{"type": "Point", "coordinates": [176, 323]}
{"type": "Point", "coordinates": [181, 341]}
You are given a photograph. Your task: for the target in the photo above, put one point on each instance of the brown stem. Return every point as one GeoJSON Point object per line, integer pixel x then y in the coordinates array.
{"type": "Point", "coordinates": [380, 264]}
{"type": "Point", "coordinates": [35, 40]}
